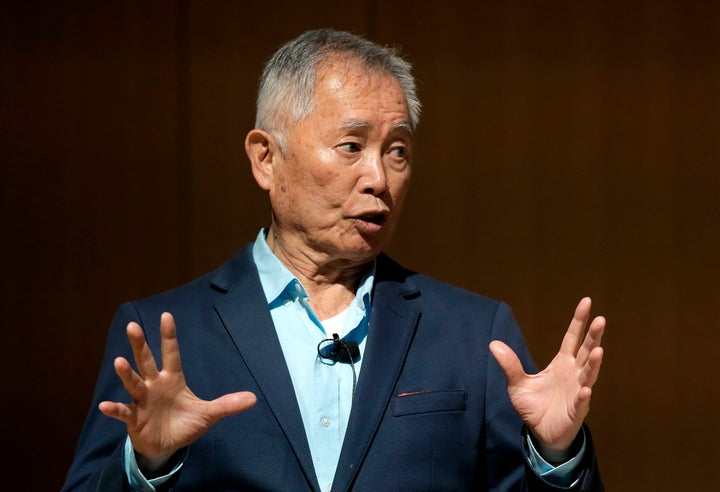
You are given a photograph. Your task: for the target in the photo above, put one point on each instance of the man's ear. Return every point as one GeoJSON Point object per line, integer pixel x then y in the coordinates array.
{"type": "Point", "coordinates": [262, 150]}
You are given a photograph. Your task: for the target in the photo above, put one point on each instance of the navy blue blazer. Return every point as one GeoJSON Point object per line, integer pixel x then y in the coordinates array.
{"type": "Point", "coordinates": [430, 411]}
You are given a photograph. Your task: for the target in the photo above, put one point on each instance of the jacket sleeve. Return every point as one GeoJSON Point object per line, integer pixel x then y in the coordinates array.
{"type": "Point", "coordinates": [98, 461]}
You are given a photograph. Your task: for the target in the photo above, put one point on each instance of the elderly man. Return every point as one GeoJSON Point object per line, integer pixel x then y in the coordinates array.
{"type": "Point", "coordinates": [312, 360]}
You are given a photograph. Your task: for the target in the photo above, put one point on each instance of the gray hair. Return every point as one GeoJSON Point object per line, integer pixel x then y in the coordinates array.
{"type": "Point", "coordinates": [287, 84]}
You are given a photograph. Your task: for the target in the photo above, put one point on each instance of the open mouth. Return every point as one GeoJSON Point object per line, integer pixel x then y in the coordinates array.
{"type": "Point", "coordinates": [377, 219]}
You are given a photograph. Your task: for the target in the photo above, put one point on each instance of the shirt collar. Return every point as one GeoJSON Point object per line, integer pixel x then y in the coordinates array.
{"type": "Point", "coordinates": [277, 281]}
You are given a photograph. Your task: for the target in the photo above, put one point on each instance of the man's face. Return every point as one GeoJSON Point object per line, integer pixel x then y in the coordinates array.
{"type": "Point", "coordinates": [340, 188]}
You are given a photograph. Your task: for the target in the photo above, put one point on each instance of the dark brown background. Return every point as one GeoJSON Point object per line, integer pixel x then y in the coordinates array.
{"type": "Point", "coordinates": [566, 149]}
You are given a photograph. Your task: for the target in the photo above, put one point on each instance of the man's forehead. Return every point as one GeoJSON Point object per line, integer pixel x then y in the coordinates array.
{"type": "Point", "coordinates": [348, 82]}
{"type": "Point", "coordinates": [336, 71]}
{"type": "Point", "coordinates": [354, 81]}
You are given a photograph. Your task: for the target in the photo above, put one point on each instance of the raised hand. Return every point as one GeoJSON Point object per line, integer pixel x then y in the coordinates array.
{"type": "Point", "coordinates": [164, 415]}
{"type": "Point", "coordinates": [554, 402]}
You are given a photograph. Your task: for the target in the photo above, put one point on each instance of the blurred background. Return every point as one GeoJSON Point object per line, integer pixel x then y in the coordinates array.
{"type": "Point", "coordinates": [565, 149]}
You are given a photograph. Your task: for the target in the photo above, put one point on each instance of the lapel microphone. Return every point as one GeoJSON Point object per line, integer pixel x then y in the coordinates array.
{"type": "Point", "coordinates": [340, 351]}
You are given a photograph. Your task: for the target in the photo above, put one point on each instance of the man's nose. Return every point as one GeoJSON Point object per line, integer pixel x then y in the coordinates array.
{"type": "Point", "coordinates": [374, 177]}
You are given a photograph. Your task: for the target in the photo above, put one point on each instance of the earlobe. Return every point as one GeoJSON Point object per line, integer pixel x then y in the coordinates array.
{"type": "Point", "coordinates": [260, 148]}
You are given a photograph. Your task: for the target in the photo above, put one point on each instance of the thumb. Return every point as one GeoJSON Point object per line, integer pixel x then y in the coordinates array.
{"type": "Point", "coordinates": [508, 360]}
{"type": "Point", "coordinates": [232, 404]}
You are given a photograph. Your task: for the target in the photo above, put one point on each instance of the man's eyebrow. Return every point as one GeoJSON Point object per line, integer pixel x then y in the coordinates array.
{"type": "Point", "coordinates": [355, 125]}
{"type": "Point", "coordinates": [403, 126]}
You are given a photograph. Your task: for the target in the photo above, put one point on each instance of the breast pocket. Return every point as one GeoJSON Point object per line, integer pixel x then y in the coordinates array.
{"type": "Point", "coordinates": [429, 402]}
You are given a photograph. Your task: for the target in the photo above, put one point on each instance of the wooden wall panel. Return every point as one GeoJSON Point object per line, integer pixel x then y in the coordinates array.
{"type": "Point", "coordinates": [565, 149]}
{"type": "Point", "coordinates": [89, 206]}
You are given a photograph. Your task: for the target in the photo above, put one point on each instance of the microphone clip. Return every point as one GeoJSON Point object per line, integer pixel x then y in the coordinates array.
{"type": "Point", "coordinates": [339, 350]}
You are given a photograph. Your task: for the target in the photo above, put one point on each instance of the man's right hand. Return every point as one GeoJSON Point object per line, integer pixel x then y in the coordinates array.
{"type": "Point", "coordinates": [164, 415]}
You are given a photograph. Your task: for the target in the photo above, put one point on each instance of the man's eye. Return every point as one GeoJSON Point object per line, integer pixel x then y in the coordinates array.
{"type": "Point", "coordinates": [399, 152]}
{"type": "Point", "coordinates": [350, 147]}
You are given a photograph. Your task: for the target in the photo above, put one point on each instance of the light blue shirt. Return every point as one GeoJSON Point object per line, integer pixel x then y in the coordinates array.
{"type": "Point", "coordinates": [323, 389]}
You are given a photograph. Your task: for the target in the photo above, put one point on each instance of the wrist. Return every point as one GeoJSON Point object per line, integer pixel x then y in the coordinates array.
{"type": "Point", "coordinates": [157, 467]}
{"type": "Point", "coordinates": [557, 455]}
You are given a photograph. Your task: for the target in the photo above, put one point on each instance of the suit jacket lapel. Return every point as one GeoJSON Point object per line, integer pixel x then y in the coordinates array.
{"type": "Point", "coordinates": [392, 326]}
{"type": "Point", "coordinates": [244, 313]}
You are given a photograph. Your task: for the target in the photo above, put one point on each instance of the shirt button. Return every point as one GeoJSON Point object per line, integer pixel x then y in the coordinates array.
{"type": "Point", "coordinates": [287, 303]}
{"type": "Point", "coordinates": [325, 421]}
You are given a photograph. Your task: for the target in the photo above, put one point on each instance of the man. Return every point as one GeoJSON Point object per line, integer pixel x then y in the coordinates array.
{"type": "Point", "coordinates": [311, 360]}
